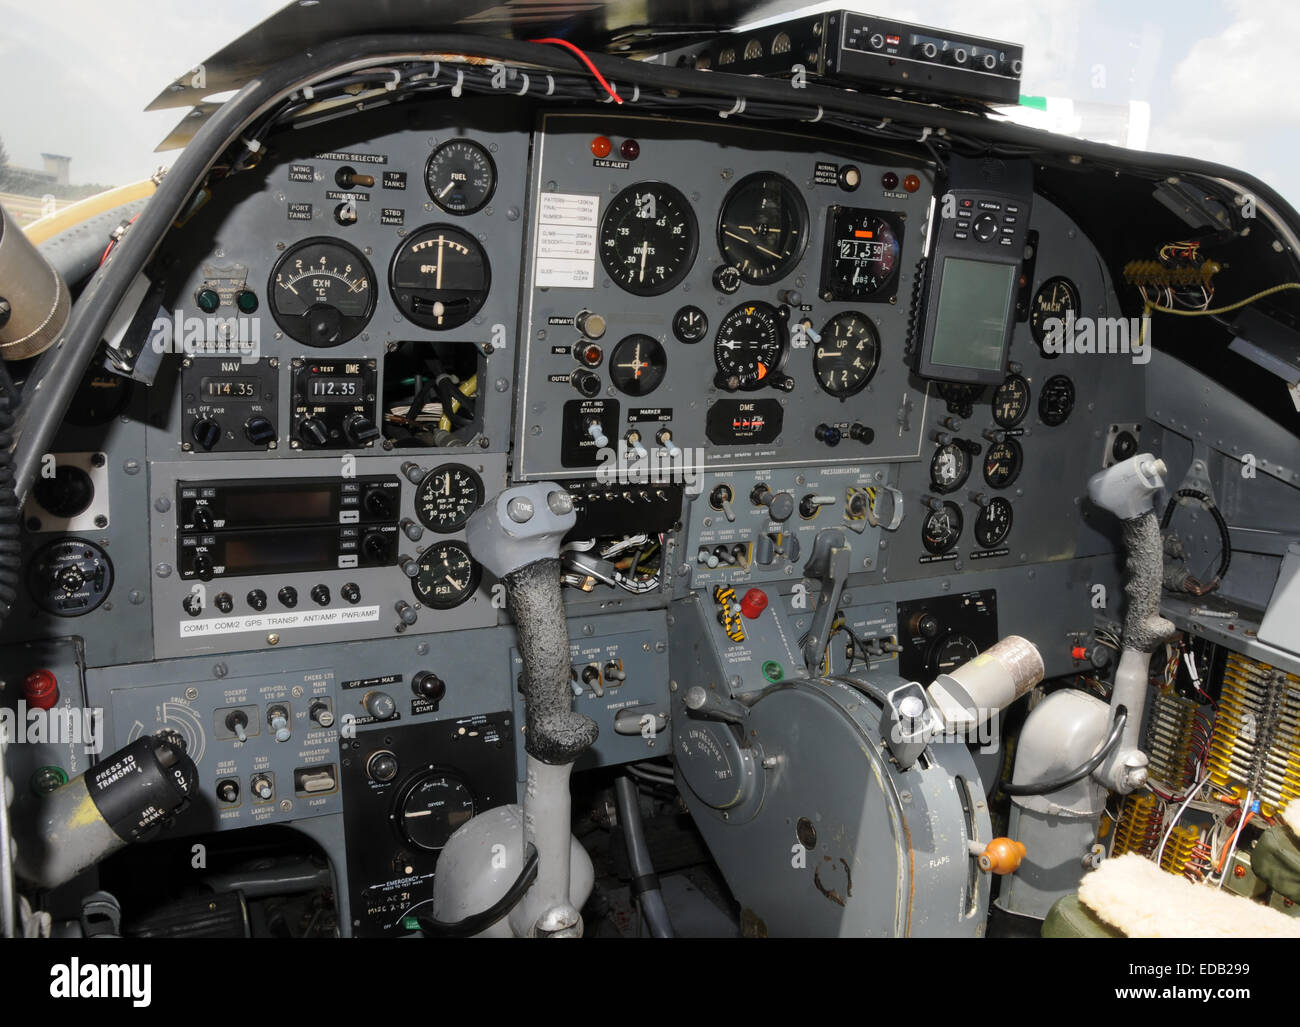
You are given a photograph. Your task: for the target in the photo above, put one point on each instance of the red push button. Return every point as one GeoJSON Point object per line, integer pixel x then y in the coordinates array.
{"type": "Point", "coordinates": [41, 689]}
{"type": "Point", "coordinates": [1079, 653]}
{"type": "Point", "coordinates": [754, 603]}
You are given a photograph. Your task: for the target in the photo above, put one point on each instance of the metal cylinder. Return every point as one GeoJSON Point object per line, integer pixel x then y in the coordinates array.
{"type": "Point", "coordinates": [1002, 673]}
{"type": "Point", "coordinates": [992, 681]}
{"type": "Point", "coordinates": [34, 299]}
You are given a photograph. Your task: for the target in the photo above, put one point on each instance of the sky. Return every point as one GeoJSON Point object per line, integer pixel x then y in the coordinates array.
{"type": "Point", "coordinates": [1218, 75]}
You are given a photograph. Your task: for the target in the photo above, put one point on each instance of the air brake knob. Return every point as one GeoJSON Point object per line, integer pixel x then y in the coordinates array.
{"type": "Point", "coordinates": [753, 603]}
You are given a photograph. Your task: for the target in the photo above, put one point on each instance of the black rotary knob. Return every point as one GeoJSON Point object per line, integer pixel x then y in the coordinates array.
{"type": "Point", "coordinates": [259, 431]}
{"type": "Point", "coordinates": [206, 432]}
{"type": "Point", "coordinates": [320, 595]}
{"type": "Point", "coordinates": [378, 503]}
{"type": "Point", "coordinates": [359, 429]}
{"type": "Point", "coordinates": [376, 547]}
{"type": "Point", "coordinates": [224, 602]}
{"type": "Point", "coordinates": [288, 596]}
{"type": "Point", "coordinates": [203, 568]}
{"type": "Point", "coordinates": [428, 686]}
{"type": "Point", "coordinates": [202, 518]}
{"type": "Point", "coordinates": [257, 599]}
{"type": "Point", "coordinates": [312, 432]}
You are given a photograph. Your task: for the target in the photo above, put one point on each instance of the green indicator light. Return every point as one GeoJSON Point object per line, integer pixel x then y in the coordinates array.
{"type": "Point", "coordinates": [410, 923]}
{"type": "Point", "coordinates": [773, 671]}
{"type": "Point", "coordinates": [47, 779]}
{"type": "Point", "coordinates": [246, 300]}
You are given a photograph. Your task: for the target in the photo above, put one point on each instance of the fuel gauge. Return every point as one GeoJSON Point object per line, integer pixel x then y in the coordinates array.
{"type": "Point", "coordinates": [460, 176]}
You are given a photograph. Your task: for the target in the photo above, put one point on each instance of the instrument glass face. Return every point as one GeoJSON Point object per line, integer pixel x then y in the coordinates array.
{"type": "Point", "coordinates": [763, 227]}
{"type": "Point", "coordinates": [648, 238]}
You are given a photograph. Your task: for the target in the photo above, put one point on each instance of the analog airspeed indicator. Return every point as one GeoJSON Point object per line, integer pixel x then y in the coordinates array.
{"type": "Point", "coordinates": [446, 497]}
{"type": "Point", "coordinates": [648, 238]}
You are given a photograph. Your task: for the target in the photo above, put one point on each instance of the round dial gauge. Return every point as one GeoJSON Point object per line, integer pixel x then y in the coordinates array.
{"type": "Point", "coordinates": [846, 358]}
{"type": "Point", "coordinates": [1002, 463]}
{"type": "Point", "coordinates": [448, 575]}
{"type": "Point", "coordinates": [637, 365]}
{"type": "Point", "coordinates": [690, 324]}
{"type": "Point", "coordinates": [440, 277]}
{"type": "Point", "coordinates": [430, 807]}
{"type": "Point", "coordinates": [322, 292]}
{"type": "Point", "coordinates": [446, 496]}
{"type": "Point", "coordinates": [1054, 298]}
{"type": "Point", "coordinates": [648, 238]}
{"type": "Point", "coordinates": [1011, 401]}
{"type": "Point", "coordinates": [949, 653]}
{"type": "Point", "coordinates": [1056, 401]}
{"type": "Point", "coordinates": [750, 347]}
{"type": "Point", "coordinates": [460, 176]}
{"type": "Point", "coordinates": [763, 227]}
{"type": "Point", "coordinates": [862, 254]}
{"type": "Point", "coordinates": [941, 529]}
{"type": "Point", "coordinates": [993, 523]}
{"type": "Point", "coordinates": [949, 467]}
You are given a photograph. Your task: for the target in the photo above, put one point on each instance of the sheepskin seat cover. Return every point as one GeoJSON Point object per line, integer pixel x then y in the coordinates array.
{"type": "Point", "coordinates": [1136, 896]}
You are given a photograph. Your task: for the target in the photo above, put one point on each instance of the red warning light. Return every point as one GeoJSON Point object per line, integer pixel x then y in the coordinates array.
{"type": "Point", "coordinates": [601, 146]}
{"type": "Point", "coordinates": [911, 183]}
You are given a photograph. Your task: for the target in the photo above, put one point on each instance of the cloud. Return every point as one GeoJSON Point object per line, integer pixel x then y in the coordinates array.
{"type": "Point", "coordinates": [1232, 98]}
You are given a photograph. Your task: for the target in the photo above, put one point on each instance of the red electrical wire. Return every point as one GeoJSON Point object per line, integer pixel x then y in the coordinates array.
{"type": "Point", "coordinates": [585, 60]}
